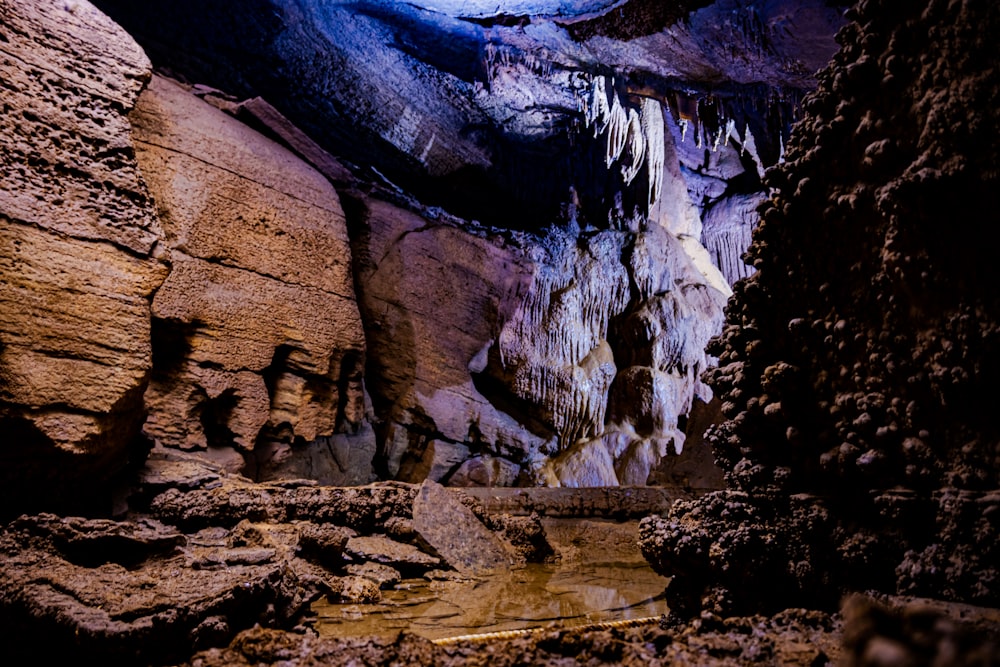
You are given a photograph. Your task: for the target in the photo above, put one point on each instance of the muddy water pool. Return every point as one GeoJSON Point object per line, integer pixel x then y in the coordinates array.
{"type": "Point", "coordinates": [600, 575]}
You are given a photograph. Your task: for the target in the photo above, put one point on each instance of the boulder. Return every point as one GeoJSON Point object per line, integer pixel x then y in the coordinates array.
{"type": "Point", "coordinates": [455, 533]}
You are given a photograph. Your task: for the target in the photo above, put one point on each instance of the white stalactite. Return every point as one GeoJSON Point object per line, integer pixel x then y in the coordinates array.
{"type": "Point", "coordinates": [635, 145]}
{"type": "Point", "coordinates": [598, 109]}
{"type": "Point", "coordinates": [652, 128]}
{"type": "Point", "coordinates": [635, 133]}
{"type": "Point", "coordinates": [617, 132]}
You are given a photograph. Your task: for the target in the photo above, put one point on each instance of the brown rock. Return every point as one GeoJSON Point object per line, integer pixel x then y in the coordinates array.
{"type": "Point", "coordinates": [68, 163]}
{"type": "Point", "coordinates": [159, 608]}
{"type": "Point", "coordinates": [455, 533]}
{"type": "Point", "coordinates": [383, 575]}
{"type": "Point", "coordinates": [383, 550]}
{"type": "Point", "coordinates": [323, 543]}
{"type": "Point", "coordinates": [257, 323]}
{"type": "Point", "coordinates": [77, 231]}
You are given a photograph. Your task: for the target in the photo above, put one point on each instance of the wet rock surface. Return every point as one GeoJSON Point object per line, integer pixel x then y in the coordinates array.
{"type": "Point", "coordinates": [203, 554]}
{"type": "Point", "coordinates": [855, 365]}
{"type": "Point", "coordinates": [896, 632]}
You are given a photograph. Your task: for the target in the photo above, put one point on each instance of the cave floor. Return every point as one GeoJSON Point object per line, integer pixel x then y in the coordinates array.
{"type": "Point", "coordinates": [598, 575]}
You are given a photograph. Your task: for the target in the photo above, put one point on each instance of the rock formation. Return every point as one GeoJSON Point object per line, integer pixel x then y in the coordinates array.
{"type": "Point", "coordinates": [206, 554]}
{"type": "Point", "coordinates": [303, 319]}
{"type": "Point", "coordinates": [856, 363]}
{"type": "Point", "coordinates": [540, 341]}
{"type": "Point", "coordinates": [516, 357]}
{"type": "Point", "coordinates": [79, 255]}
{"type": "Point", "coordinates": [430, 242]}
{"type": "Point", "coordinates": [257, 339]}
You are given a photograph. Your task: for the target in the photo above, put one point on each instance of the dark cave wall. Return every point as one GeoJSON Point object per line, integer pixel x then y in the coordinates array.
{"type": "Point", "coordinates": [857, 364]}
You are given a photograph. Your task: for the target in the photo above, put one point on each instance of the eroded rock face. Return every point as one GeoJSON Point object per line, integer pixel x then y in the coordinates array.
{"type": "Point", "coordinates": [256, 329]}
{"type": "Point", "coordinates": [78, 261]}
{"type": "Point", "coordinates": [560, 344]}
{"type": "Point", "coordinates": [863, 375]}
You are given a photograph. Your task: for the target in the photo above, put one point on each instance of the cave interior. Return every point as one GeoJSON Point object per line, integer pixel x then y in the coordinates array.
{"type": "Point", "coordinates": [301, 301]}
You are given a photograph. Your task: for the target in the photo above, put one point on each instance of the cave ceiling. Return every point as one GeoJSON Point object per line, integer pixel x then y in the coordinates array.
{"type": "Point", "coordinates": [476, 106]}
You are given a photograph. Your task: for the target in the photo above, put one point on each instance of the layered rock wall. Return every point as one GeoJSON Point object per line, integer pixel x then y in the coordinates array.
{"type": "Point", "coordinates": [561, 347]}
{"type": "Point", "coordinates": [212, 307]}
{"type": "Point", "coordinates": [257, 333]}
{"type": "Point", "coordinates": [78, 250]}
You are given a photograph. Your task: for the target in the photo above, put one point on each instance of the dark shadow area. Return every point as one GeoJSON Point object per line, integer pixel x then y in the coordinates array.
{"type": "Point", "coordinates": [170, 341]}
{"type": "Point", "coordinates": [37, 476]}
{"type": "Point", "coordinates": [215, 415]}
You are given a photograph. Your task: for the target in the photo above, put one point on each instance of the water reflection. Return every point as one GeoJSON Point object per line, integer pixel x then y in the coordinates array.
{"type": "Point", "coordinates": [583, 587]}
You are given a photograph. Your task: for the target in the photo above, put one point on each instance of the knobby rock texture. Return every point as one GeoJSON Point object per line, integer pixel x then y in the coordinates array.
{"type": "Point", "coordinates": [856, 364]}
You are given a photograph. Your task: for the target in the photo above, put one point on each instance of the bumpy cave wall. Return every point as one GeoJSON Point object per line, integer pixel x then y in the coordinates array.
{"type": "Point", "coordinates": [856, 365]}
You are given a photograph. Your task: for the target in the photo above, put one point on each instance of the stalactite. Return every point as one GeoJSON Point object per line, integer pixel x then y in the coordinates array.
{"type": "Point", "coordinates": [636, 147]}
{"type": "Point", "coordinates": [652, 129]}
{"type": "Point", "coordinates": [634, 136]}
{"type": "Point", "coordinates": [598, 109]}
{"type": "Point", "coordinates": [617, 132]}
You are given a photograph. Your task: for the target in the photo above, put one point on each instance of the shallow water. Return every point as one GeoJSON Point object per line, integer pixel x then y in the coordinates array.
{"type": "Point", "coordinates": [600, 577]}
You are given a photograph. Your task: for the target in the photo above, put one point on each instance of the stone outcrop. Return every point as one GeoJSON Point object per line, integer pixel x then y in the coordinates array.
{"type": "Point", "coordinates": [856, 365]}
{"type": "Point", "coordinates": [549, 348]}
{"type": "Point", "coordinates": [257, 336]}
{"type": "Point", "coordinates": [226, 286]}
{"type": "Point", "coordinates": [433, 295]}
{"type": "Point", "coordinates": [79, 254]}
{"type": "Point", "coordinates": [498, 347]}
{"type": "Point", "coordinates": [202, 554]}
